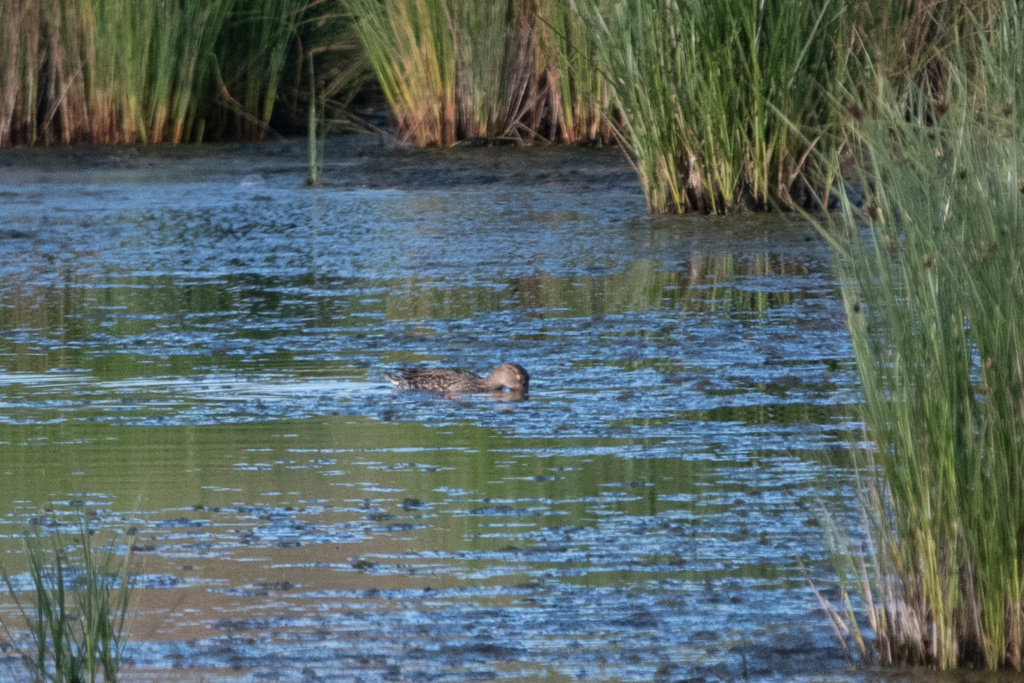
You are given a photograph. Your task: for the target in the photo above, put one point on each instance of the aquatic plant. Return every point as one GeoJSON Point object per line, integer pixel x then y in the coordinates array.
{"type": "Point", "coordinates": [412, 47]}
{"type": "Point", "coordinates": [105, 70]}
{"type": "Point", "coordinates": [571, 98]}
{"type": "Point", "coordinates": [116, 71]}
{"type": "Point", "coordinates": [932, 268]}
{"type": "Point", "coordinates": [457, 69]}
{"type": "Point", "coordinates": [721, 102]}
{"type": "Point", "coordinates": [251, 52]}
{"type": "Point", "coordinates": [315, 132]}
{"type": "Point", "coordinates": [78, 615]}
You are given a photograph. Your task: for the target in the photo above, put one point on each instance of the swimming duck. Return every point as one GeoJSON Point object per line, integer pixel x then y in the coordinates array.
{"type": "Point", "coordinates": [509, 376]}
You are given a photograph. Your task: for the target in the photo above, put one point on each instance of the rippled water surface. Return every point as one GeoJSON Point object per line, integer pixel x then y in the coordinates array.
{"type": "Point", "coordinates": [194, 349]}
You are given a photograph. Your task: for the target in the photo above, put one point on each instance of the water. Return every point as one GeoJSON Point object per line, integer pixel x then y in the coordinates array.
{"type": "Point", "coordinates": [193, 346]}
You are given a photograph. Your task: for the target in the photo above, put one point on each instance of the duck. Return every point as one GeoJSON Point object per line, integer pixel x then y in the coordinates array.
{"type": "Point", "coordinates": [507, 376]}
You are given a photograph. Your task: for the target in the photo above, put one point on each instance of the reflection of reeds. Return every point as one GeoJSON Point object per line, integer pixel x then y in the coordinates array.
{"type": "Point", "coordinates": [77, 621]}
{"type": "Point", "coordinates": [934, 307]}
{"type": "Point", "coordinates": [710, 284]}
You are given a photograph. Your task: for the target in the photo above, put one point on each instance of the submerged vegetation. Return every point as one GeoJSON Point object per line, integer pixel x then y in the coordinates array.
{"type": "Point", "coordinates": [78, 611]}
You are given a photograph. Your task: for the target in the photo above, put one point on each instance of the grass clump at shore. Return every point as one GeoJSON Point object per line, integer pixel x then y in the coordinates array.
{"type": "Point", "coordinates": [443, 65]}
{"type": "Point", "coordinates": [571, 100]}
{"type": "Point", "coordinates": [251, 52]}
{"type": "Point", "coordinates": [78, 610]}
{"type": "Point", "coordinates": [458, 69]}
{"type": "Point", "coordinates": [410, 47]}
{"type": "Point", "coordinates": [721, 102]}
{"type": "Point", "coordinates": [933, 273]}
{"type": "Point", "coordinates": [121, 71]}
{"type": "Point", "coordinates": [105, 71]}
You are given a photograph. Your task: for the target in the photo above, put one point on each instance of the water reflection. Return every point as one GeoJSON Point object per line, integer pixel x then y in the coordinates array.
{"type": "Point", "coordinates": [212, 376]}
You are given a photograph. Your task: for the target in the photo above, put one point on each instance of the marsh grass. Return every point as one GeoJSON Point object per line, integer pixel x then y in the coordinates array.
{"type": "Point", "coordinates": [721, 102]}
{"type": "Point", "coordinates": [440, 64]}
{"type": "Point", "coordinates": [105, 70]}
{"type": "Point", "coordinates": [932, 268]}
{"type": "Point", "coordinates": [409, 46]}
{"type": "Point", "coordinates": [573, 98]}
{"type": "Point", "coordinates": [251, 53]}
{"type": "Point", "coordinates": [121, 71]}
{"type": "Point", "coordinates": [315, 130]}
{"type": "Point", "coordinates": [458, 69]}
{"type": "Point", "coordinates": [78, 610]}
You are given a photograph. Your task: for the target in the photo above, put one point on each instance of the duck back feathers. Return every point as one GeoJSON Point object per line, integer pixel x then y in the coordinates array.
{"type": "Point", "coordinates": [507, 376]}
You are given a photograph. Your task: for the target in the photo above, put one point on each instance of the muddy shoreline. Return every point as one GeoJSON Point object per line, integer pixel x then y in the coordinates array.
{"type": "Point", "coordinates": [351, 162]}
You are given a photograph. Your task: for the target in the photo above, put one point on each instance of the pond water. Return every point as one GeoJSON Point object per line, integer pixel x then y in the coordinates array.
{"type": "Point", "coordinates": [193, 348]}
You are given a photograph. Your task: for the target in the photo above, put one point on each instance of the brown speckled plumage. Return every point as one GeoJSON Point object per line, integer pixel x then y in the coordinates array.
{"type": "Point", "coordinates": [460, 381]}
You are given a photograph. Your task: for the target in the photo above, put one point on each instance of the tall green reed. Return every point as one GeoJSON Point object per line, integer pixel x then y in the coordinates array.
{"type": "Point", "coordinates": [105, 70]}
{"type": "Point", "coordinates": [439, 64]}
{"type": "Point", "coordinates": [123, 71]}
{"type": "Point", "coordinates": [183, 65]}
{"type": "Point", "coordinates": [573, 99]}
{"type": "Point", "coordinates": [457, 69]}
{"type": "Point", "coordinates": [251, 54]}
{"type": "Point", "coordinates": [149, 64]}
{"type": "Point", "coordinates": [410, 50]}
{"type": "Point", "coordinates": [315, 130]}
{"type": "Point", "coordinates": [721, 102]}
{"type": "Point", "coordinates": [19, 50]}
{"type": "Point", "coordinates": [79, 610]}
{"type": "Point", "coordinates": [933, 269]}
